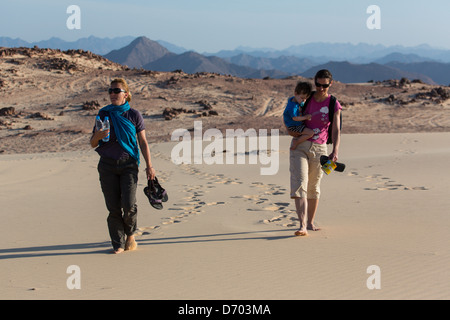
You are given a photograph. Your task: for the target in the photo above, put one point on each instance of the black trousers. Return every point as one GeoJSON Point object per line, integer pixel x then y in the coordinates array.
{"type": "Point", "coordinates": [118, 179]}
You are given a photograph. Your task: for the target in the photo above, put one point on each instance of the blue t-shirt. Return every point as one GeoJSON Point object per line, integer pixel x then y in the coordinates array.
{"type": "Point", "coordinates": [293, 109]}
{"type": "Point", "coordinates": [112, 149]}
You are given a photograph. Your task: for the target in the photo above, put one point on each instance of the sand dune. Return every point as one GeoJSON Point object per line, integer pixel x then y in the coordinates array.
{"type": "Point", "coordinates": [227, 232]}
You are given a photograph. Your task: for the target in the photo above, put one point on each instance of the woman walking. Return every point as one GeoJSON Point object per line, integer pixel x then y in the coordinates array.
{"type": "Point", "coordinates": [305, 168]}
{"type": "Point", "coordinates": [119, 163]}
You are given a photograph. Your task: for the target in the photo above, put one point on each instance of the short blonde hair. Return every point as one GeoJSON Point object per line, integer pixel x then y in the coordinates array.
{"type": "Point", "coordinates": [125, 87]}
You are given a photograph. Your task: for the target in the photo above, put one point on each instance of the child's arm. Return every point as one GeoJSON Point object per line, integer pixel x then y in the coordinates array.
{"type": "Point", "coordinates": [302, 118]}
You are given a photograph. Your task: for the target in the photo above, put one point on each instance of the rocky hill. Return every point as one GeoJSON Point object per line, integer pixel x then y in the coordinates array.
{"type": "Point", "coordinates": [138, 53]}
{"type": "Point", "coordinates": [50, 99]}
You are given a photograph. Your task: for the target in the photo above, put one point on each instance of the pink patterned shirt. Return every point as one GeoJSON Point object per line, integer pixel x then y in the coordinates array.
{"type": "Point", "coordinates": [320, 120]}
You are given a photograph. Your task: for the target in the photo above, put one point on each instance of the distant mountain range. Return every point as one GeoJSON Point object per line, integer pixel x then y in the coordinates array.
{"type": "Point", "coordinates": [353, 73]}
{"type": "Point", "coordinates": [147, 54]}
{"type": "Point", "coordinates": [96, 45]}
{"type": "Point", "coordinates": [356, 53]}
{"type": "Point", "coordinates": [192, 62]}
{"type": "Point", "coordinates": [348, 62]}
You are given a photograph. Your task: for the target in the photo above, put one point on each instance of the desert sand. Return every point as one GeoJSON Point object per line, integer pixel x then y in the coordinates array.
{"type": "Point", "coordinates": [227, 232]}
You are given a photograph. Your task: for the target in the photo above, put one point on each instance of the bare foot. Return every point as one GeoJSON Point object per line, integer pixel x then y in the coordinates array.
{"type": "Point", "coordinates": [301, 233]}
{"type": "Point", "coordinates": [294, 144]}
{"type": "Point", "coordinates": [131, 244]}
{"type": "Point", "coordinates": [120, 250]}
{"type": "Point", "coordinates": [313, 227]}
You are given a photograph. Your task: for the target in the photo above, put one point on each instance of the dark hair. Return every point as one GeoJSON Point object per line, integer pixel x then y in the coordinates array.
{"type": "Point", "coordinates": [303, 87]}
{"type": "Point", "coordinates": [323, 74]}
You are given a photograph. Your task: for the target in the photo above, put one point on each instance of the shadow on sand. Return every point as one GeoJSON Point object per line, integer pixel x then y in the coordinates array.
{"type": "Point", "coordinates": [105, 247]}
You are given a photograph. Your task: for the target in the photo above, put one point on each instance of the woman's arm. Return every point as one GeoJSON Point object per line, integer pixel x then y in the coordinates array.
{"type": "Point", "coordinates": [336, 132]}
{"type": "Point", "coordinates": [302, 118]}
{"type": "Point", "coordinates": [143, 144]}
{"type": "Point", "coordinates": [97, 136]}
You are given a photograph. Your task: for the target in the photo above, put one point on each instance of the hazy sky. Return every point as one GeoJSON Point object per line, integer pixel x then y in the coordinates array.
{"type": "Point", "coordinates": [210, 25]}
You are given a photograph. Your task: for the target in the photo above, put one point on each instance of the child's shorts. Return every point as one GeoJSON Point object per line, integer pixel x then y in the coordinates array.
{"type": "Point", "coordinates": [298, 129]}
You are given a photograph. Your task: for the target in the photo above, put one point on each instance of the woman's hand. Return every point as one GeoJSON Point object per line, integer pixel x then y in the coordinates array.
{"type": "Point", "coordinates": [151, 173]}
{"type": "Point", "coordinates": [97, 136]}
{"type": "Point", "coordinates": [333, 156]}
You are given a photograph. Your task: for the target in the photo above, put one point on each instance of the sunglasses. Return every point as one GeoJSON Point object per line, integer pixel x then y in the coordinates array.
{"type": "Point", "coordinates": [322, 85]}
{"type": "Point", "coordinates": [115, 90]}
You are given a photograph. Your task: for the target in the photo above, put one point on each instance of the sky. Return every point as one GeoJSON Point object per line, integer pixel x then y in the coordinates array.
{"type": "Point", "coordinates": [212, 25]}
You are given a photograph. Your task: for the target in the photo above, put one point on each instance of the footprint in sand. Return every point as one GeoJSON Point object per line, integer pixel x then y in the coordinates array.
{"type": "Point", "coordinates": [218, 178]}
{"type": "Point", "coordinates": [417, 188]}
{"type": "Point", "coordinates": [276, 193]}
{"type": "Point", "coordinates": [373, 177]}
{"type": "Point", "coordinates": [257, 185]}
{"type": "Point", "coordinates": [176, 209]}
{"type": "Point", "coordinates": [274, 219]}
{"type": "Point", "coordinates": [270, 189]}
{"type": "Point", "coordinates": [277, 206]}
{"type": "Point", "coordinates": [215, 203]}
{"type": "Point", "coordinates": [283, 220]}
{"type": "Point", "coordinates": [190, 205]}
{"type": "Point", "coordinates": [171, 220]}
{"type": "Point", "coordinates": [282, 204]}
{"type": "Point", "coordinates": [387, 184]}
{"type": "Point", "coordinates": [273, 208]}
{"type": "Point", "coordinates": [246, 197]}
{"type": "Point", "coordinates": [145, 230]}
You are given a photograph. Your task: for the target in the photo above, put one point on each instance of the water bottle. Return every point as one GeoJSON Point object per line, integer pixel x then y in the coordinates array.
{"type": "Point", "coordinates": [98, 124]}
{"type": "Point", "coordinates": [106, 127]}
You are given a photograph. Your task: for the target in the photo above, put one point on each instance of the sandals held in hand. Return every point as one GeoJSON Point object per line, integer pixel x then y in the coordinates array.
{"type": "Point", "coordinates": [156, 194]}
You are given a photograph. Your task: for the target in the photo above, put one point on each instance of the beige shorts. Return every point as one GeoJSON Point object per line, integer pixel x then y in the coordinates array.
{"type": "Point", "coordinates": [305, 169]}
